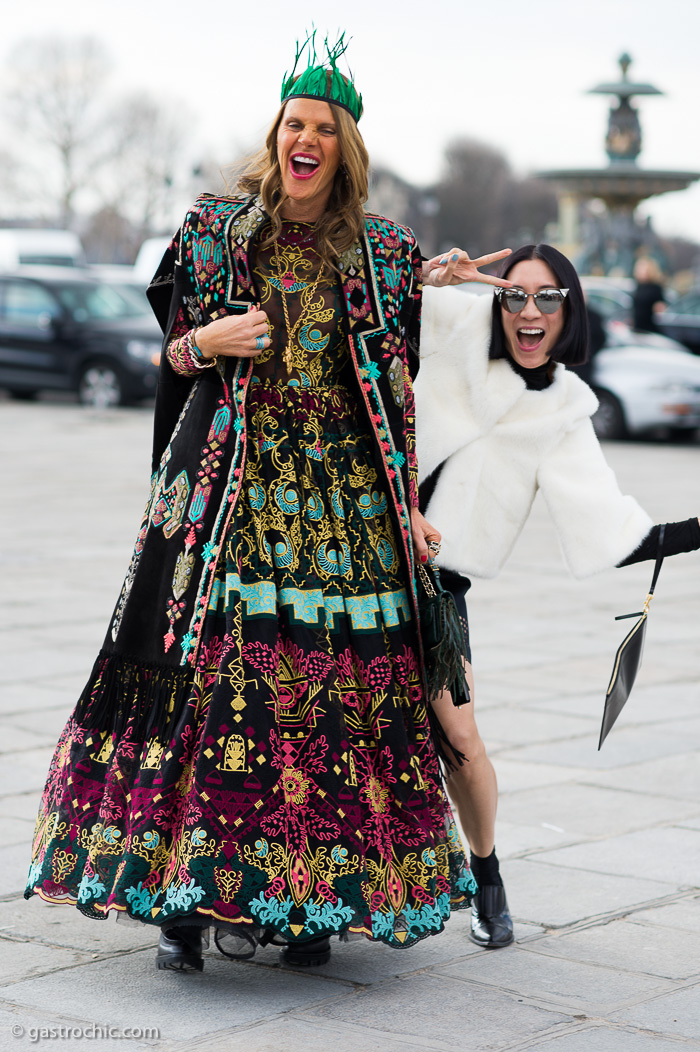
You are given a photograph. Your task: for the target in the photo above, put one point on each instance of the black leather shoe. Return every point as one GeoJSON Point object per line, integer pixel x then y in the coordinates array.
{"type": "Point", "coordinates": [307, 954]}
{"type": "Point", "coordinates": [492, 926]}
{"type": "Point", "coordinates": [180, 949]}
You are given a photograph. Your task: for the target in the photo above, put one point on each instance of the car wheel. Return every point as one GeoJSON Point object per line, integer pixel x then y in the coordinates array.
{"type": "Point", "coordinates": [20, 395]}
{"type": "Point", "coordinates": [608, 420]}
{"type": "Point", "coordinates": [100, 386]}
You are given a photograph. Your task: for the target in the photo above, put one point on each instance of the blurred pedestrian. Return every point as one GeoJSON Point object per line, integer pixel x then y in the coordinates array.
{"type": "Point", "coordinates": [648, 298]}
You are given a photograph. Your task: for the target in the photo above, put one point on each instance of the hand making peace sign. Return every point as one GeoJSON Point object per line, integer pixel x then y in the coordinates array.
{"type": "Point", "coordinates": [455, 267]}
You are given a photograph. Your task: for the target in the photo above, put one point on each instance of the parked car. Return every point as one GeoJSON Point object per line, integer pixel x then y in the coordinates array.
{"type": "Point", "coordinates": [66, 329]}
{"type": "Point", "coordinates": [610, 297]}
{"type": "Point", "coordinates": [123, 278]}
{"type": "Point", "coordinates": [681, 320]}
{"type": "Point", "coordinates": [645, 382]}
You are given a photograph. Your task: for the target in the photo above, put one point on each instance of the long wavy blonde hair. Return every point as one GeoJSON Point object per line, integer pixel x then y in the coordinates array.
{"type": "Point", "coordinates": [343, 221]}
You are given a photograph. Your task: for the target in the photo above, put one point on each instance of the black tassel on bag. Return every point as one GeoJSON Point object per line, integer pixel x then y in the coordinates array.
{"type": "Point", "coordinates": [443, 637]}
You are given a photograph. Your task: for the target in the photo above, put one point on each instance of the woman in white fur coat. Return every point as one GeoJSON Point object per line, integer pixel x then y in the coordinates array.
{"type": "Point", "coordinates": [499, 416]}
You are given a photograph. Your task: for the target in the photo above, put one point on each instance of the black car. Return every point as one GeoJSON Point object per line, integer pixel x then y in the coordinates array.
{"type": "Point", "coordinates": [681, 320]}
{"type": "Point", "coordinates": [65, 329]}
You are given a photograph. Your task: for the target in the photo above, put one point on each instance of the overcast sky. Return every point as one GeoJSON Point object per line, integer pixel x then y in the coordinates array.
{"type": "Point", "coordinates": [510, 73]}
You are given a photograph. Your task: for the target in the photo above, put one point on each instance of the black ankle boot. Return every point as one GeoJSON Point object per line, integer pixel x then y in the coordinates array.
{"type": "Point", "coordinates": [309, 953]}
{"type": "Point", "coordinates": [180, 948]}
{"type": "Point", "coordinates": [491, 924]}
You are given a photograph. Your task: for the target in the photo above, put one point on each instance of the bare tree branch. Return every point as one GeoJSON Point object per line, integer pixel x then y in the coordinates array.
{"type": "Point", "coordinates": [54, 102]}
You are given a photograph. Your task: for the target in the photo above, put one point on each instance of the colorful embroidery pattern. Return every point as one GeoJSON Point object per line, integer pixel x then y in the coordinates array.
{"type": "Point", "coordinates": [299, 790]}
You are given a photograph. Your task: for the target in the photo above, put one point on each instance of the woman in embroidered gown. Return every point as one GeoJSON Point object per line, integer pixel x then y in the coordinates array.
{"type": "Point", "coordinates": [253, 751]}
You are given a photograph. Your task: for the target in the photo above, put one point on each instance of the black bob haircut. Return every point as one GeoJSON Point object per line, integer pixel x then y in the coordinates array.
{"type": "Point", "coordinates": [572, 347]}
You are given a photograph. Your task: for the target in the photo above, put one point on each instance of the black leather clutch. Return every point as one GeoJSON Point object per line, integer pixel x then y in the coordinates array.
{"type": "Point", "coordinates": [628, 659]}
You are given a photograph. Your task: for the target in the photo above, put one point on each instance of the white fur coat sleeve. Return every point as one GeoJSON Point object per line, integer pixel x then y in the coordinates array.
{"type": "Point", "coordinates": [596, 525]}
{"type": "Point", "coordinates": [499, 443]}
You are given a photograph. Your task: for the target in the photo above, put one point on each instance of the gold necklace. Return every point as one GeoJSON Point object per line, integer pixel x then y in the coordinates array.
{"type": "Point", "coordinates": [292, 331]}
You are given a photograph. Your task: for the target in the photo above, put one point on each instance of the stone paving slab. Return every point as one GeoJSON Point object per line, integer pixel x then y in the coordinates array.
{"type": "Point", "coordinates": [423, 1006]}
{"type": "Point", "coordinates": [14, 867]}
{"type": "Point", "coordinates": [62, 925]}
{"type": "Point", "coordinates": [676, 1014]}
{"type": "Point", "coordinates": [559, 982]}
{"type": "Point", "coordinates": [582, 811]}
{"type": "Point", "coordinates": [16, 831]}
{"type": "Point", "coordinates": [588, 705]}
{"type": "Point", "coordinates": [48, 722]}
{"type": "Point", "coordinates": [673, 776]}
{"type": "Point", "coordinates": [673, 856]}
{"type": "Point", "coordinates": [15, 740]}
{"type": "Point", "coordinates": [624, 745]}
{"type": "Point", "coordinates": [609, 1039]}
{"type": "Point", "coordinates": [679, 701]}
{"type": "Point", "coordinates": [632, 946]}
{"type": "Point", "coordinates": [555, 896]}
{"type": "Point", "coordinates": [684, 915]}
{"type": "Point", "coordinates": [31, 699]}
{"type": "Point", "coordinates": [523, 657]}
{"type": "Point", "coordinates": [689, 823]}
{"type": "Point", "coordinates": [515, 774]}
{"type": "Point", "coordinates": [572, 676]}
{"type": "Point", "coordinates": [127, 991]}
{"type": "Point", "coordinates": [28, 960]}
{"type": "Point", "coordinates": [21, 805]}
{"type": "Point", "coordinates": [513, 725]}
{"type": "Point", "coordinates": [26, 773]}
{"type": "Point", "coordinates": [306, 1036]}
{"type": "Point", "coordinates": [15, 667]}
{"type": "Point", "coordinates": [514, 839]}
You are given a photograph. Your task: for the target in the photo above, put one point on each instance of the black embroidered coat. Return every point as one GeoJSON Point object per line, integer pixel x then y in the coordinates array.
{"type": "Point", "coordinates": [200, 436]}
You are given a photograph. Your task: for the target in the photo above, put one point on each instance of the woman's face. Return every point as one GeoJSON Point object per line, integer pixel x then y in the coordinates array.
{"type": "Point", "coordinates": [531, 335]}
{"type": "Point", "coordinates": [309, 155]}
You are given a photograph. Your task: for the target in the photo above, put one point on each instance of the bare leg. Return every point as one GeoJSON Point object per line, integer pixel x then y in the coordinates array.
{"type": "Point", "coordinates": [472, 787]}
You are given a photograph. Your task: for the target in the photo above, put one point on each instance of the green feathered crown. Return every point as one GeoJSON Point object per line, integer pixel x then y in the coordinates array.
{"type": "Point", "coordinates": [322, 79]}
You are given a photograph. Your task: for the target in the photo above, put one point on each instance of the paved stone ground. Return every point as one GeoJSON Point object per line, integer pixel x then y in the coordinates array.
{"type": "Point", "coordinates": [601, 850]}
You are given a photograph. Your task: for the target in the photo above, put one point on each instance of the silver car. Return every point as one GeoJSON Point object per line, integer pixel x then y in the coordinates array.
{"type": "Point", "coordinates": [645, 382]}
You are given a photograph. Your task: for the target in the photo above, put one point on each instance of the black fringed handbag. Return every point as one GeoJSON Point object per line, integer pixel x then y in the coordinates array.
{"type": "Point", "coordinates": [628, 659]}
{"type": "Point", "coordinates": [443, 637]}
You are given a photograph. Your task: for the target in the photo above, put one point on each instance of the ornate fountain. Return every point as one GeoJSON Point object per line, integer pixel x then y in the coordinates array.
{"type": "Point", "coordinates": [607, 238]}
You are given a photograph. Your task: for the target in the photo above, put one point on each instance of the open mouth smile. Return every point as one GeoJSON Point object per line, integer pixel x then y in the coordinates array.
{"type": "Point", "coordinates": [529, 339]}
{"type": "Point", "coordinates": [303, 165]}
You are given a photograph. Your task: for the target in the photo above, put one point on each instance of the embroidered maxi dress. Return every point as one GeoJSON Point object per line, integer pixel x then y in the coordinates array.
{"type": "Point", "coordinates": [299, 793]}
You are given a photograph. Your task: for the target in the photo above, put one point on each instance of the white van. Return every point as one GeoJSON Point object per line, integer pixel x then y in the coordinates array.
{"type": "Point", "coordinates": [59, 248]}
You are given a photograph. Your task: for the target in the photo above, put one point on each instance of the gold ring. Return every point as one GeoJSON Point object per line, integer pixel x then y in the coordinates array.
{"type": "Point", "coordinates": [434, 547]}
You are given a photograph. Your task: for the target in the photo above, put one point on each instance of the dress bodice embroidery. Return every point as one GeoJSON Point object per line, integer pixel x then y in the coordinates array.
{"type": "Point", "coordinates": [319, 348]}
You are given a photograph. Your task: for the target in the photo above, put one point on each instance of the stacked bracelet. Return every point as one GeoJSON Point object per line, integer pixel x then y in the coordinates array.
{"type": "Point", "coordinates": [198, 361]}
